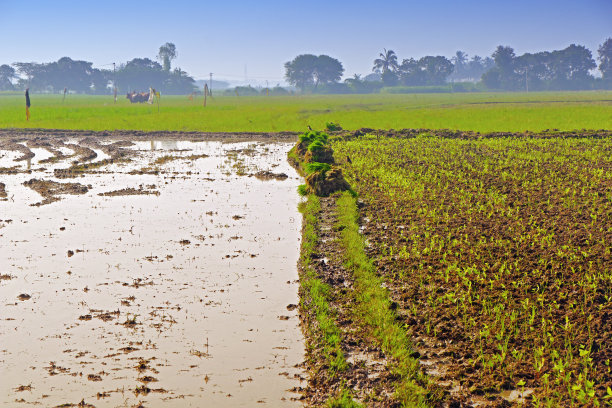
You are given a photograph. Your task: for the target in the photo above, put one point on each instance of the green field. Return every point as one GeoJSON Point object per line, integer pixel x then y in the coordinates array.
{"type": "Point", "coordinates": [482, 112]}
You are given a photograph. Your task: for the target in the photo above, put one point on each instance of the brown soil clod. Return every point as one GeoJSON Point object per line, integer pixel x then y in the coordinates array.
{"type": "Point", "coordinates": [325, 183]}
{"type": "Point", "coordinates": [268, 175]}
{"type": "Point", "coordinates": [324, 155]}
{"type": "Point", "coordinates": [14, 145]}
{"type": "Point", "coordinates": [131, 191]}
{"type": "Point", "coordinates": [51, 189]}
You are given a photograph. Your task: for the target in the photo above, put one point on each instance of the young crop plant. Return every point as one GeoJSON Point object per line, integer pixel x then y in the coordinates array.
{"type": "Point", "coordinates": [517, 229]}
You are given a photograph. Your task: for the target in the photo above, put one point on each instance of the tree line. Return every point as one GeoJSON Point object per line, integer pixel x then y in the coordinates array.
{"type": "Point", "coordinates": [567, 69]}
{"type": "Point", "coordinates": [81, 77]}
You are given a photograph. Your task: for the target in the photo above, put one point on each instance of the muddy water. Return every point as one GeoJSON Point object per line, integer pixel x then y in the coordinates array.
{"type": "Point", "coordinates": [177, 298]}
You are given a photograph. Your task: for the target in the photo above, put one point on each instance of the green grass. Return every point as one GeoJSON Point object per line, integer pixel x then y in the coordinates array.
{"type": "Point", "coordinates": [482, 112]}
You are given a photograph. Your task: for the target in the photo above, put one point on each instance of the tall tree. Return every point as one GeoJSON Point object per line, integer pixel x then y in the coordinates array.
{"type": "Point", "coordinates": [386, 62]}
{"type": "Point", "coordinates": [308, 70]}
{"type": "Point", "coordinates": [460, 61]}
{"type": "Point", "coordinates": [605, 59]}
{"type": "Point", "coordinates": [300, 71]}
{"type": "Point", "coordinates": [328, 70]}
{"type": "Point", "coordinates": [437, 69]}
{"type": "Point", "coordinates": [573, 63]}
{"type": "Point", "coordinates": [428, 70]}
{"type": "Point", "coordinates": [504, 59]}
{"type": "Point", "coordinates": [7, 75]}
{"type": "Point", "coordinates": [502, 75]}
{"type": "Point", "coordinates": [167, 53]}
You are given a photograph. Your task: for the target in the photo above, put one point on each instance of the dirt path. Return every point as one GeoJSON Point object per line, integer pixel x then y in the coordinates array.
{"type": "Point", "coordinates": [367, 375]}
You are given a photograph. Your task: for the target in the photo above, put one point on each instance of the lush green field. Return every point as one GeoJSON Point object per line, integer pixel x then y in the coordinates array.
{"type": "Point", "coordinates": [479, 112]}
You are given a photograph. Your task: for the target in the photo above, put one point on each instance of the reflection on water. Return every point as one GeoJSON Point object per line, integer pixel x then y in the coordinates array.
{"type": "Point", "coordinates": [177, 299]}
{"type": "Point", "coordinates": [164, 144]}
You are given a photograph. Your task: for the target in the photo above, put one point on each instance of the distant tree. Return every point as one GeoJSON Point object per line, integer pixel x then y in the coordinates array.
{"type": "Point", "coordinates": [308, 70]}
{"type": "Point", "coordinates": [534, 70]}
{"type": "Point", "coordinates": [573, 63]}
{"type": "Point", "coordinates": [144, 64]}
{"type": "Point", "coordinates": [492, 78]}
{"type": "Point", "coordinates": [167, 53]}
{"type": "Point", "coordinates": [548, 70]}
{"type": "Point", "coordinates": [436, 69]}
{"type": "Point", "coordinates": [373, 77]}
{"type": "Point", "coordinates": [386, 62]}
{"type": "Point", "coordinates": [77, 76]}
{"type": "Point", "coordinates": [478, 66]}
{"type": "Point", "coordinates": [328, 70]}
{"type": "Point", "coordinates": [460, 62]}
{"type": "Point", "coordinates": [504, 64]}
{"type": "Point", "coordinates": [605, 59]}
{"type": "Point", "coordinates": [428, 70]}
{"type": "Point", "coordinates": [504, 59]}
{"type": "Point", "coordinates": [7, 75]}
{"type": "Point", "coordinates": [30, 70]}
{"type": "Point", "coordinates": [139, 74]}
{"type": "Point", "coordinates": [390, 78]}
{"type": "Point", "coordinates": [355, 83]}
{"type": "Point", "coordinates": [460, 58]}
{"type": "Point", "coordinates": [178, 82]}
{"type": "Point", "coordinates": [410, 72]}
{"type": "Point", "coordinates": [300, 71]}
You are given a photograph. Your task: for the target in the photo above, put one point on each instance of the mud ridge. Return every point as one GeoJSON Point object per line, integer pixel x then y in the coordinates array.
{"type": "Point", "coordinates": [50, 190]}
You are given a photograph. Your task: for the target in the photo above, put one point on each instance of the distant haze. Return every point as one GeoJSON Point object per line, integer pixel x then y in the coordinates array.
{"type": "Point", "coordinates": [231, 37]}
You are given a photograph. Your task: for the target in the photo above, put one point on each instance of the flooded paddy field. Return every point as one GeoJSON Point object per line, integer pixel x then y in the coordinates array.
{"type": "Point", "coordinates": [142, 272]}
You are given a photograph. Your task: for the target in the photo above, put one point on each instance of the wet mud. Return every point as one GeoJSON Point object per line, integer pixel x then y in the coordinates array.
{"type": "Point", "coordinates": [127, 280]}
{"type": "Point", "coordinates": [367, 375]}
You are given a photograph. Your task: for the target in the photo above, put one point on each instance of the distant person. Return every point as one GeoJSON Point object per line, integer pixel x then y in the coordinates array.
{"type": "Point", "coordinates": [27, 95]}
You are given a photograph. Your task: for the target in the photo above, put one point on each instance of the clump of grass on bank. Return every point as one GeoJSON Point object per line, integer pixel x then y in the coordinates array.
{"type": "Point", "coordinates": [313, 157]}
{"type": "Point", "coordinates": [374, 308]}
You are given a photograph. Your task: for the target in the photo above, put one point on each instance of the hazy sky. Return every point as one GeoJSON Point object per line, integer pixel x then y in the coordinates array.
{"type": "Point", "coordinates": [225, 36]}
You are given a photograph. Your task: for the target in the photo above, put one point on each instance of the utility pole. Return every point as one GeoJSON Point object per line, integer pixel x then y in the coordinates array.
{"type": "Point", "coordinates": [526, 83]}
{"type": "Point", "coordinates": [114, 82]}
{"type": "Point", "coordinates": [210, 85]}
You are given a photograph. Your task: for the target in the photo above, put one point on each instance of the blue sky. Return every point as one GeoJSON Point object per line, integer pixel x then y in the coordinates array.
{"type": "Point", "coordinates": [226, 36]}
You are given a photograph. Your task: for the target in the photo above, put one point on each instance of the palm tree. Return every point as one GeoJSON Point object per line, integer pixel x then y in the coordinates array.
{"type": "Point", "coordinates": [386, 62]}
{"type": "Point", "coordinates": [460, 58]}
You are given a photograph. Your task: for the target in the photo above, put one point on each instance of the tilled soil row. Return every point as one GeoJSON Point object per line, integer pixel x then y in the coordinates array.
{"type": "Point", "coordinates": [367, 375]}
